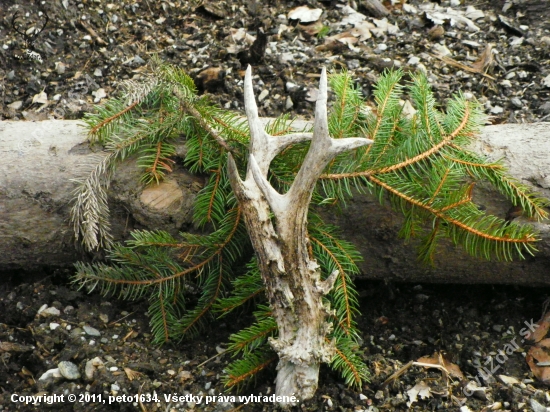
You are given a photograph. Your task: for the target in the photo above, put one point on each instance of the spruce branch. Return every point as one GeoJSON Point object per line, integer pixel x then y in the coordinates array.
{"type": "Point", "coordinates": [418, 162]}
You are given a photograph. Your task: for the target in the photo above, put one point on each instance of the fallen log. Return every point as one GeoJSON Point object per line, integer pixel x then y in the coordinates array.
{"type": "Point", "coordinates": [39, 159]}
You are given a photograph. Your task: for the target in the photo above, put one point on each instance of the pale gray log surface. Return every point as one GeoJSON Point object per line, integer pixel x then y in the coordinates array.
{"type": "Point", "coordinates": [39, 159]}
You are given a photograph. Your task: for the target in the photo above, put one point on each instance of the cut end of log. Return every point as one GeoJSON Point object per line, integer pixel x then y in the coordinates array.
{"type": "Point", "coordinates": [164, 196]}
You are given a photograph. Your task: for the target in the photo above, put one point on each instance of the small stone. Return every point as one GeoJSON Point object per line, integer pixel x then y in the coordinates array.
{"type": "Point", "coordinates": [288, 103]}
{"type": "Point", "coordinates": [89, 370]}
{"type": "Point", "coordinates": [99, 94]}
{"type": "Point", "coordinates": [16, 106]}
{"type": "Point", "coordinates": [207, 385]}
{"type": "Point", "coordinates": [441, 50]}
{"type": "Point", "coordinates": [51, 311]}
{"type": "Point", "coordinates": [414, 60]}
{"type": "Point", "coordinates": [363, 397]}
{"type": "Point", "coordinates": [263, 95]}
{"type": "Point", "coordinates": [69, 370]}
{"type": "Point", "coordinates": [115, 387]}
{"type": "Point", "coordinates": [40, 98]}
{"type": "Point", "coordinates": [171, 372]}
{"type": "Point", "coordinates": [545, 107]}
{"type": "Point", "coordinates": [91, 331]}
{"type": "Point", "coordinates": [76, 332]}
{"type": "Point", "coordinates": [516, 102]}
{"type": "Point", "coordinates": [97, 361]}
{"type": "Point", "coordinates": [496, 110]}
{"type": "Point", "coordinates": [381, 48]}
{"type": "Point", "coordinates": [508, 380]}
{"type": "Point", "coordinates": [68, 310]}
{"type": "Point", "coordinates": [113, 368]}
{"type": "Point", "coordinates": [60, 67]}
{"type": "Point", "coordinates": [54, 326]}
{"type": "Point", "coordinates": [138, 60]}
{"type": "Point", "coordinates": [104, 317]}
{"type": "Point", "coordinates": [537, 407]}
{"type": "Point", "coordinates": [109, 358]}
{"type": "Point", "coordinates": [98, 73]}
{"type": "Point", "coordinates": [498, 328]}
{"type": "Point", "coordinates": [50, 374]}
{"type": "Point", "coordinates": [379, 395]}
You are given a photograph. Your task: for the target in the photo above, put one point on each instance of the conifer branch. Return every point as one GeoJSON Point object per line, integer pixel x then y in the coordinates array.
{"type": "Point", "coordinates": [420, 162]}
{"type": "Point", "coordinates": [526, 239]}
{"type": "Point", "coordinates": [93, 131]}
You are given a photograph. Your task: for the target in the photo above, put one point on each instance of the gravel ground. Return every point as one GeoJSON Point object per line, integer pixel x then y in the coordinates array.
{"type": "Point", "coordinates": [498, 54]}
{"type": "Point", "coordinates": [494, 50]}
{"type": "Point", "coordinates": [46, 325]}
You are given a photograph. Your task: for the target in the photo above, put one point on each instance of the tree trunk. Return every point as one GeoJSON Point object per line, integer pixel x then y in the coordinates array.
{"type": "Point", "coordinates": [39, 159]}
{"type": "Point", "coordinates": [292, 277]}
{"type": "Point", "coordinates": [39, 162]}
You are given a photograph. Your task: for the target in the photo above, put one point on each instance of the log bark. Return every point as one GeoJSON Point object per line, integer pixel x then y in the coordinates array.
{"type": "Point", "coordinates": [39, 159]}
{"type": "Point", "coordinates": [37, 164]}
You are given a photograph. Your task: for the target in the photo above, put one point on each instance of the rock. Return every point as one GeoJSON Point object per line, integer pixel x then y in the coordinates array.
{"type": "Point", "coordinates": [89, 370]}
{"type": "Point", "coordinates": [16, 105]}
{"type": "Point", "coordinates": [60, 67]}
{"type": "Point", "coordinates": [68, 370]}
{"type": "Point", "coordinates": [51, 311]}
{"type": "Point", "coordinates": [263, 95]}
{"type": "Point", "coordinates": [508, 380]}
{"type": "Point", "coordinates": [50, 374]}
{"type": "Point", "coordinates": [91, 331]}
{"type": "Point", "coordinates": [138, 61]}
{"type": "Point", "coordinates": [537, 407]}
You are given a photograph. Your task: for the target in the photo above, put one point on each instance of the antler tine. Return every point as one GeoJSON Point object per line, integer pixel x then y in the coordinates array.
{"type": "Point", "coordinates": [14, 26]}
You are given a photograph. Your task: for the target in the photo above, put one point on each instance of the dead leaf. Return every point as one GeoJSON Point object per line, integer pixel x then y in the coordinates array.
{"type": "Point", "coordinates": [335, 42]}
{"type": "Point", "coordinates": [14, 347]}
{"type": "Point", "coordinates": [541, 330]}
{"type": "Point", "coordinates": [304, 14]}
{"type": "Point", "coordinates": [485, 60]}
{"type": "Point", "coordinates": [362, 30]}
{"type": "Point", "coordinates": [185, 376]}
{"type": "Point", "coordinates": [311, 29]}
{"type": "Point", "coordinates": [132, 374]}
{"type": "Point", "coordinates": [542, 373]}
{"type": "Point", "coordinates": [438, 360]}
{"type": "Point", "coordinates": [420, 389]}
